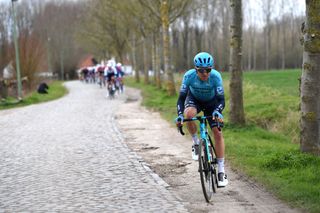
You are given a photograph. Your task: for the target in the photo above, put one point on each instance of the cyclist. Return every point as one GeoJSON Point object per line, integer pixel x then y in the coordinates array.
{"type": "Point", "coordinates": [110, 73]}
{"type": "Point", "coordinates": [100, 73]}
{"type": "Point", "coordinates": [202, 90]}
{"type": "Point", "coordinates": [119, 77]}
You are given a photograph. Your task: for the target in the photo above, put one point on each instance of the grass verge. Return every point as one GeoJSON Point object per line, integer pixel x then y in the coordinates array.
{"type": "Point", "coordinates": [56, 90]}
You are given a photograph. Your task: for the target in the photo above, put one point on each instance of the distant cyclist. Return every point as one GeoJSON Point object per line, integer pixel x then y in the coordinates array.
{"type": "Point", "coordinates": [110, 73]}
{"type": "Point", "coordinates": [100, 74]}
{"type": "Point", "coordinates": [119, 77]}
{"type": "Point", "coordinates": [202, 90]}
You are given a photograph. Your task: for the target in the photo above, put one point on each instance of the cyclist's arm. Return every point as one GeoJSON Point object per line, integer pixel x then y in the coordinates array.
{"type": "Point", "coordinates": [220, 103]}
{"type": "Point", "coordinates": [182, 95]}
{"type": "Point", "coordinates": [219, 94]}
{"type": "Point", "coordinates": [180, 103]}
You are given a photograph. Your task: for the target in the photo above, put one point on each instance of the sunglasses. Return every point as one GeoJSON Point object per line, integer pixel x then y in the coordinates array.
{"type": "Point", "coordinates": [203, 70]}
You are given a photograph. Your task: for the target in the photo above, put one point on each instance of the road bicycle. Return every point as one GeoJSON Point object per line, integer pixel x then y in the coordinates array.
{"type": "Point", "coordinates": [111, 90]}
{"type": "Point", "coordinates": [119, 85]}
{"type": "Point", "coordinates": [207, 156]}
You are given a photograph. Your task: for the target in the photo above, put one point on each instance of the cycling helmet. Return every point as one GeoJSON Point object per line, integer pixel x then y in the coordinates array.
{"type": "Point", "coordinates": [203, 59]}
{"type": "Point", "coordinates": [118, 65]}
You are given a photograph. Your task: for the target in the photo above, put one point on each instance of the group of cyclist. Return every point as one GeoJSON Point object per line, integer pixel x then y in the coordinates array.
{"type": "Point", "coordinates": [108, 75]}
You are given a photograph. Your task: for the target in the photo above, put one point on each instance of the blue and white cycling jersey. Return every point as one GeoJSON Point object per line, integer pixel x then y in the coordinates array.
{"type": "Point", "coordinates": [202, 90]}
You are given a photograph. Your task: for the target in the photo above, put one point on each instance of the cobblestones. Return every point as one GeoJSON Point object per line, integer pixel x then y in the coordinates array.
{"type": "Point", "coordinates": [68, 156]}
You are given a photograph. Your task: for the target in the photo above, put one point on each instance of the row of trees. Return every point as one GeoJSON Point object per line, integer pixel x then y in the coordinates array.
{"type": "Point", "coordinates": [194, 25]}
{"type": "Point", "coordinates": [155, 34]}
{"type": "Point", "coordinates": [275, 46]}
{"type": "Point", "coordinates": [161, 35]}
{"type": "Point", "coordinates": [46, 38]}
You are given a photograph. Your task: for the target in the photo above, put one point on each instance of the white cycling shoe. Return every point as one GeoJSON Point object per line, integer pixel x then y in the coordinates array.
{"type": "Point", "coordinates": [222, 179]}
{"type": "Point", "coordinates": [195, 154]}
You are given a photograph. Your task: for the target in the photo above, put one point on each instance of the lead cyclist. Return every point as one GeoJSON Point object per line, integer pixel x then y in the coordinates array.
{"type": "Point", "coordinates": [202, 90]}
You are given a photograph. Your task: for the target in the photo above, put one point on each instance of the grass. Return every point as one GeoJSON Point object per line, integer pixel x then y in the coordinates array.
{"type": "Point", "coordinates": [56, 90]}
{"type": "Point", "coordinates": [271, 100]}
{"type": "Point", "coordinates": [267, 148]}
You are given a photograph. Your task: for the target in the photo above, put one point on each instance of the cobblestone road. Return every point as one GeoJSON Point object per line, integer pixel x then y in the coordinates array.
{"type": "Point", "coordinates": [68, 156]}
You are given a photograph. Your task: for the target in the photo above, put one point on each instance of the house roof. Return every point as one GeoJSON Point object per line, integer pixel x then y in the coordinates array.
{"type": "Point", "coordinates": [86, 61]}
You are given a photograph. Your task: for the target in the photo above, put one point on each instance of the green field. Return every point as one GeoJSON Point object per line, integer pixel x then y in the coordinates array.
{"type": "Point", "coordinates": [56, 90]}
{"type": "Point", "coordinates": [267, 148]}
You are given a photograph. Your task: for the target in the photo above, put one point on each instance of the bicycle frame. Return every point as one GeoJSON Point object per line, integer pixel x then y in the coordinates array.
{"type": "Point", "coordinates": [207, 155]}
{"type": "Point", "coordinates": [203, 131]}
{"type": "Point", "coordinates": [204, 136]}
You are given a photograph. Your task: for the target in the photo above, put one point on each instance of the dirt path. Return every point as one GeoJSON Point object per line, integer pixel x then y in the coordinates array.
{"type": "Point", "coordinates": [169, 155]}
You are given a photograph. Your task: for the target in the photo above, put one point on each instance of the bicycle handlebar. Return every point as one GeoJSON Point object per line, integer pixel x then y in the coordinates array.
{"type": "Point", "coordinates": [217, 124]}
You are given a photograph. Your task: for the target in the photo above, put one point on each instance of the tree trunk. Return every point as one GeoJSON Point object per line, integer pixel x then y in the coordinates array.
{"type": "Point", "coordinates": [267, 13]}
{"type": "Point", "coordinates": [157, 62]}
{"type": "Point", "coordinates": [134, 62]}
{"type": "Point", "coordinates": [236, 99]}
{"type": "Point", "coordinates": [267, 40]}
{"type": "Point", "coordinates": [283, 43]}
{"type": "Point", "coordinates": [254, 50]}
{"type": "Point", "coordinates": [283, 48]}
{"type": "Point", "coordinates": [310, 89]}
{"type": "Point", "coordinates": [154, 53]}
{"type": "Point", "coordinates": [226, 37]}
{"type": "Point", "coordinates": [249, 67]}
{"type": "Point", "coordinates": [3, 89]}
{"type": "Point", "coordinates": [145, 62]}
{"type": "Point", "coordinates": [185, 41]}
{"type": "Point", "coordinates": [165, 27]}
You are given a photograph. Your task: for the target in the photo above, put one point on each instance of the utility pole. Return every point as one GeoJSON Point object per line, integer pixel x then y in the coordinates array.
{"type": "Point", "coordinates": [16, 52]}
{"type": "Point", "coordinates": [61, 64]}
{"type": "Point", "coordinates": [48, 55]}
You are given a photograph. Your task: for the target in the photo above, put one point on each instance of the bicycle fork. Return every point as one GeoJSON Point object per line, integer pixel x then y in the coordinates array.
{"type": "Point", "coordinates": [204, 136]}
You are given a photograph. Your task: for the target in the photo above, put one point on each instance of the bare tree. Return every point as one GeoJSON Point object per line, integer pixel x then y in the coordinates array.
{"type": "Point", "coordinates": [4, 40]}
{"type": "Point", "coordinates": [134, 58]}
{"type": "Point", "coordinates": [167, 12]}
{"type": "Point", "coordinates": [145, 60]}
{"type": "Point", "coordinates": [31, 55]}
{"type": "Point", "coordinates": [225, 33]}
{"type": "Point", "coordinates": [236, 97]}
{"type": "Point", "coordinates": [106, 28]}
{"type": "Point", "coordinates": [310, 89]}
{"type": "Point", "coordinates": [267, 9]}
{"type": "Point", "coordinates": [4, 48]}
{"type": "Point", "coordinates": [156, 60]}
{"type": "Point", "coordinates": [283, 40]}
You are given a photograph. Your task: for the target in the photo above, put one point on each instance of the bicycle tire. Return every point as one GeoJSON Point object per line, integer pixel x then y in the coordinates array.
{"type": "Point", "coordinates": [111, 93]}
{"type": "Point", "coordinates": [214, 166]}
{"type": "Point", "coordinates": [206, 173]}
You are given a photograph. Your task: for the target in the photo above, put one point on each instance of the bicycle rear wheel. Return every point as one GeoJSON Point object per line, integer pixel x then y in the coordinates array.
{"type": "Point", "coordinates": [207, 177]}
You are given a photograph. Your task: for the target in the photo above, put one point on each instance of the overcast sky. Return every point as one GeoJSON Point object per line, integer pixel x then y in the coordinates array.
{"type": "Point", "coordinates": [297, 7]}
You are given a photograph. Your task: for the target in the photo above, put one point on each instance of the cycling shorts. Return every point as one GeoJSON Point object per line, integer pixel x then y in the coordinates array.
{"type": "Point", "coordinates": [206, 107]}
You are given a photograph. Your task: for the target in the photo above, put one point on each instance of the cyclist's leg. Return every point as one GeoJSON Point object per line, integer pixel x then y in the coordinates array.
{"type": "Point", "coordinates": [218, 137]}
{"type": "Point", "coordinates": [191, 110]}
{"type": "Point", "coordinates": [219, 142]}
{"type": "Point", "coordinates": [219, 147]}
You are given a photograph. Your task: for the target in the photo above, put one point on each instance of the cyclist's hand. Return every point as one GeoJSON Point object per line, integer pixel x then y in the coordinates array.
{"type": "Point", "coordinates": [217, 114]}
{"type": "Point", "coordinates": [179, 121]}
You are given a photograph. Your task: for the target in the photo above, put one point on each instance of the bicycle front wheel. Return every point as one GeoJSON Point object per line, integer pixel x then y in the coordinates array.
{"type": "Point", "coordinates": [206, 173]}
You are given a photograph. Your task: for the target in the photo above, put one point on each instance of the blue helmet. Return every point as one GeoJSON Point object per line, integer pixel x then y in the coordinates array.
{"type": "Point", "coordinates": [203, 59]}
